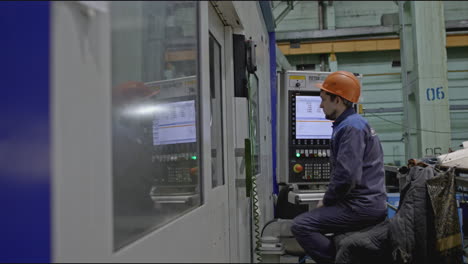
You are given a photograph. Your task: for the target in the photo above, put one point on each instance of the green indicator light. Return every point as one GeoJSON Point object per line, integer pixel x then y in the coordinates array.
{"type": "Point", "coordinates": [194, 157]}
{"type": "Point", "coordinates": [298, 155]}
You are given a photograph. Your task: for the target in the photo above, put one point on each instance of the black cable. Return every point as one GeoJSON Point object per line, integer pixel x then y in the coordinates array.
{"type": "Point", "coordinates": [425, 130]}
{"type": "Point", "coordinates": [266, 224]}
{"type": "Point", "coordinates": [256, 219]}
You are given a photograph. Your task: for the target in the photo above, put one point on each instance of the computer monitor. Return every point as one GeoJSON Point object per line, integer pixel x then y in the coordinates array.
{"type": "Point", "coordinates": [175, 123]}
{"type": "Point", "coordinates": [310, 119]}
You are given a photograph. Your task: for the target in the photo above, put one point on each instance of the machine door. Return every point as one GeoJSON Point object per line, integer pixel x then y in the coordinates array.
{"type": "Point", "coordinates": [233, 112]}
{"type": "Point", "coordinates": [138, 173]}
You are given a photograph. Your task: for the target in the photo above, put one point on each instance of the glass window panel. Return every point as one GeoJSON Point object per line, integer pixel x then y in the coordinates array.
{"type": "Point", "coordinates": [155, 129]}
{"type": "Point", "coordinates": [216, 113]}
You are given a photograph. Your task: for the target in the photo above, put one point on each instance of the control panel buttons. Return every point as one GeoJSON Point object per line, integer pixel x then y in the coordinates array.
{"type": "Point", "coordinates": [297, 168]}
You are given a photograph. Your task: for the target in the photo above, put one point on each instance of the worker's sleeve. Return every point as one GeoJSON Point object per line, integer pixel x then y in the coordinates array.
{"type": "Point", "coordinates": [348, 165]}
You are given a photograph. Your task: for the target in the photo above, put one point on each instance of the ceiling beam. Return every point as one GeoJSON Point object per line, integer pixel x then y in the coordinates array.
{"type": "Point", "coordinates": [456, 24]}
{"type": "Point", "coordinates": [359, 45]}
{"type": "Point", "coordinates": [333, 33]}
{"type": "Point", "coordinates": [341, 46]}
{"type": "Point", "coordinates": [356, 31]}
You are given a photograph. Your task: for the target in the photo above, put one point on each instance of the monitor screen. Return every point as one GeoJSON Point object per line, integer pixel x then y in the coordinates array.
{"type": "Point", "coordinates": [310, 119]}
{"type": "Point", "coordinates": [174, 123]}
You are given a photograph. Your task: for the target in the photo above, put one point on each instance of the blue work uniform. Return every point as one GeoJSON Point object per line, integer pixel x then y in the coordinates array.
{"type": "Point", "coordinates": [356, 196]}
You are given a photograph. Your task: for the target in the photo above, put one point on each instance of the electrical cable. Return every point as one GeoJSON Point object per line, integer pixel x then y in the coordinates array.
{"type": "Point", "coordinates": [256, 213]}
{"type": "Point", "coordinates": [267, 224]}
{"type": "Point", "coordinates": [255, 201]}
{"type": "Point", "coordinates": [418, 129]}
{"type": "Point", "coordinates": [432, 131]}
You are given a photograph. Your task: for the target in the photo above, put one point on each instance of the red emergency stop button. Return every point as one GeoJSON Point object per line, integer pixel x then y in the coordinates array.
{"type": "Point", "coordinates": [298, 168]}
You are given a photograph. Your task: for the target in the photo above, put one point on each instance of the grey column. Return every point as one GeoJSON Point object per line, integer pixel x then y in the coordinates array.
{"type": "Point", "coordinates": [424, 71]}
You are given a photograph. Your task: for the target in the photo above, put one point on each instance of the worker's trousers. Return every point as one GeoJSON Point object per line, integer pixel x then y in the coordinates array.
{"type": "Point", "coordinates": [310, 228]}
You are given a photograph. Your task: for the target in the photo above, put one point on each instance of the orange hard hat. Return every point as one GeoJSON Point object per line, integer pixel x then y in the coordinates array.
{"type": "Point", "coordinates": [342, 83]}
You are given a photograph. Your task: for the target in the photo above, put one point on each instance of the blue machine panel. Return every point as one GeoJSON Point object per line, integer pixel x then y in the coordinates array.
{"type": "Point", "coordinates": [274, 115]}
{"type": "Point", "coordinates": [25, 132]}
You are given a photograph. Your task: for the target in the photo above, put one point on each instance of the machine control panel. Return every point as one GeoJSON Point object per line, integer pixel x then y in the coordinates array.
{"type": "Point", "coordinates": [180, 168]}
{"type": "Point", "coordinates": [172, 132]}
{"type": "Point", "coordinates": [309, 138]}
{"type": "Point", "coordinates": [305, 132]}
{"type": "Point", "coordinates": [174, 143]}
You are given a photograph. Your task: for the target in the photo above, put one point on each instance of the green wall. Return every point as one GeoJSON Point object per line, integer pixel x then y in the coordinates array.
{"type": "Point", "coordinates": [380, 92]}
{"type": "Point", "coordinates": [305, 16]}
{"type": "Point", "coordinates": [362, 13]}
{"type": "Point", "coordinates": [458, 93]}
{"type": "Point", "coordinates": [455, 10]}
